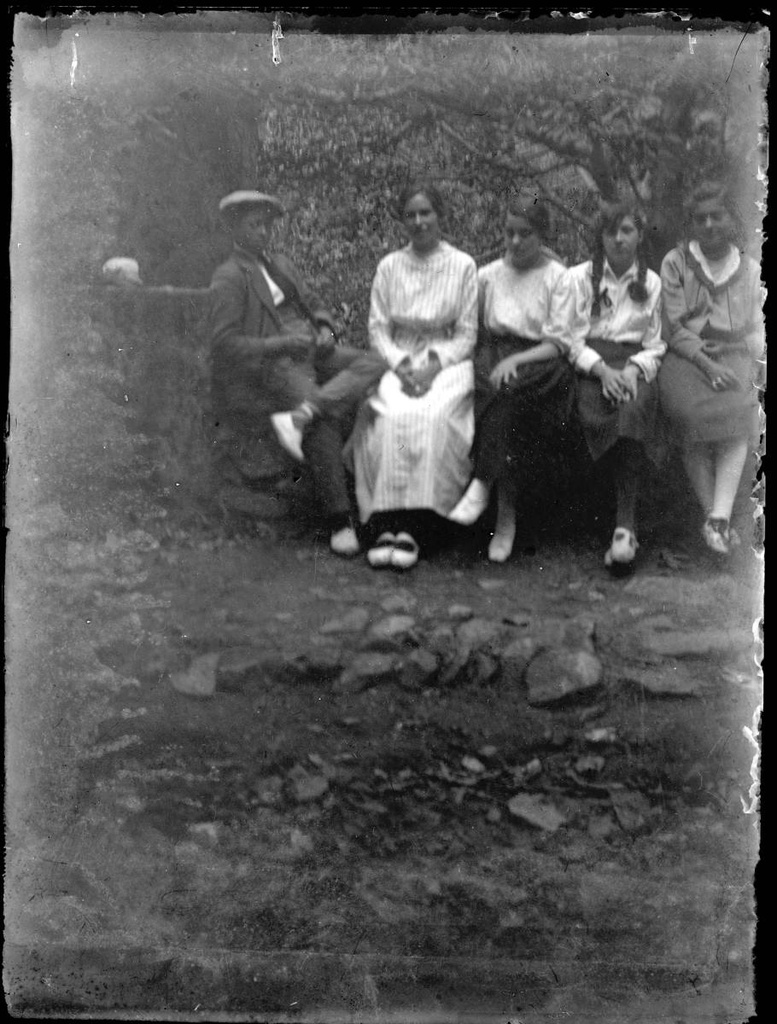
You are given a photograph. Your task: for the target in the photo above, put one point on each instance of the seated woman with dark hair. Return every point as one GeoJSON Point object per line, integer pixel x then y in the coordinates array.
{"type": "Point", "coordinates": [529, 402]}
{"type": "Point", "coordinates": [606, 316]}
{"type": "Point", "coordinates": [708, 381]}
{"type": "Point", "coordinates": [411, 446]}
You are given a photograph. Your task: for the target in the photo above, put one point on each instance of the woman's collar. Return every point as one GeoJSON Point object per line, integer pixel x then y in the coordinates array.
{"type": "Point", "coordinates": [542, 260]}
{"type": "Point", "coordinates": [627, 275]}
{"type": "Point", "coordinates": [440, 247]}
{"type": "Point", "coordinates": [703, 271]}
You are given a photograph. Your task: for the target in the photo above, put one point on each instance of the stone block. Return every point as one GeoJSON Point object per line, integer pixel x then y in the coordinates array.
{"type": "Point", "coordinates": [370, 668]}
{"type": "Point", "coordinates": [558, 675]}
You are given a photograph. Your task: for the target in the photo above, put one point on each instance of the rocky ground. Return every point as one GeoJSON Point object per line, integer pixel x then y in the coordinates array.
{"type": "Point", "coordinates": [249, 779]}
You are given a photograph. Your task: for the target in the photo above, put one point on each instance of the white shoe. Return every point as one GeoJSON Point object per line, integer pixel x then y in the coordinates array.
{"type": "Point", "coordinates": [501, 547]}
{"type": "Point", "coordinates": [288, 433]}
{"type": "Point", "coordinates": [379, 555]}
{"type": "Point", "coordinates": [405, 553]}
{"type": "Point", "coordinates": [717, 535]}
{"type": "Point", "coordinates": [472, 505]}
{"type": "Point", "coordinates": [345, 542]}
{"type": "Point", "coordinates": [622, 550]}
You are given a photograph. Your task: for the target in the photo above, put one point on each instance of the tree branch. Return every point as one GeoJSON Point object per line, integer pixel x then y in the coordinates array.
{"type": "Point", "coordinates": [552, 200]}
{"type": "Point", "coordinates": [573, 153]}
{"type": "Point", "coordinates": [504, 165]}
{"type": "Point", "coordinates": [549, 196]}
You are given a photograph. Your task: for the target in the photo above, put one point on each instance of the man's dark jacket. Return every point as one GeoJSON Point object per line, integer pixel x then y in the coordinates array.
{"type": "Point", "coordinates": [248, 379]}
{"type": "Point", "coordinates": [243, 312]}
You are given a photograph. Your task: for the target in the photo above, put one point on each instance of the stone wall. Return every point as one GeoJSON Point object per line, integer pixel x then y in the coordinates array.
{"type": "Point", "coordinates": [156, 340]}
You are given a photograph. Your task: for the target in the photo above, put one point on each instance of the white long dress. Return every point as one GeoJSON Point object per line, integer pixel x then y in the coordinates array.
{"type": "Point", "coordinates": [413, 453]}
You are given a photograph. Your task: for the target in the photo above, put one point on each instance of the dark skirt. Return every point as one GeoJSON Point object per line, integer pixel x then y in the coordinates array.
{"type": "Point", "coordinates": [524, 425]}
{"type": "Point", "coordinates": [696, 413]}
{"type": "Point", "coordinates": [605, 422]}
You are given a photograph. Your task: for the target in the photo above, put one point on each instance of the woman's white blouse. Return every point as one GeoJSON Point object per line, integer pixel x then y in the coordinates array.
{"type": "Point", "coordinates": [517, 301]}
{"type": "Point", "coordinates": [421, 304]}
{"type": "Point", "coordinates": [621, 319]}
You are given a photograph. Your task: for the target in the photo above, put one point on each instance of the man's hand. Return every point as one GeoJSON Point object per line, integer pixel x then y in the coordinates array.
{"type": "Point", "coordinates": [325, 339]}
{"type": "Point", "coordinates": [298, 345]}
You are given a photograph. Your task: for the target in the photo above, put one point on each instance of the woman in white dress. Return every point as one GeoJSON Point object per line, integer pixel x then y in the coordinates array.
{"type": "Point", "coordinates": [411, 447]}
{"type": "Point", "coordinates": [528, 391]}
{"type": "Point", "coordinates": [606, 316]}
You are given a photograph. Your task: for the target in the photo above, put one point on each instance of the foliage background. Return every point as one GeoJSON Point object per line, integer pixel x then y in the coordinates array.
{"type": "Point", "coordinates": [127, 130]}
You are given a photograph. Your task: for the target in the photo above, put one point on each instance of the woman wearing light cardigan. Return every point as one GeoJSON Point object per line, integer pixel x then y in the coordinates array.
{"type": "Point", "coordinates": [708, 381]}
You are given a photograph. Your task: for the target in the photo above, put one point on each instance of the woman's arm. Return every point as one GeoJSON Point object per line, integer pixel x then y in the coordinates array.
{"type": "Point", "coordinates": [755, 336]}
{"type": "Point", "coordinates": [677, 317]}
{"type": "Point", "coordinates": [568, 327]}
{"type": "Point", "coordinates": [569, 320]}
{"type": "Point", "coordinates": [506, 368]}
{"type": "Point", "coordinates": [462, 344]}
{"type": "Point", "coordinates": [543, 352]}
{"type": "Point", "coordinates": [379, 323]}
{"type": "Point", "coordinates": [653, 345]}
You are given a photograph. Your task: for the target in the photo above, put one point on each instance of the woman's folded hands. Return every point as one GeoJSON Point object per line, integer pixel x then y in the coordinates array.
{"type": "Point", "coordinates": [618, 385]}
{"type": "Point", "coordinates": [417, 381]}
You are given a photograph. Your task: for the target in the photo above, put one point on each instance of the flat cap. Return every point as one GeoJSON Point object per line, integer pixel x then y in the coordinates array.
{"type": "Point", "coordinates": [248, 198]}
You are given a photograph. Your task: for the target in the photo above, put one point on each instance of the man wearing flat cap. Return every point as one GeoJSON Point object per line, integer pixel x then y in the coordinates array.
{"type": "Point", "coordinates": [274, 349]}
